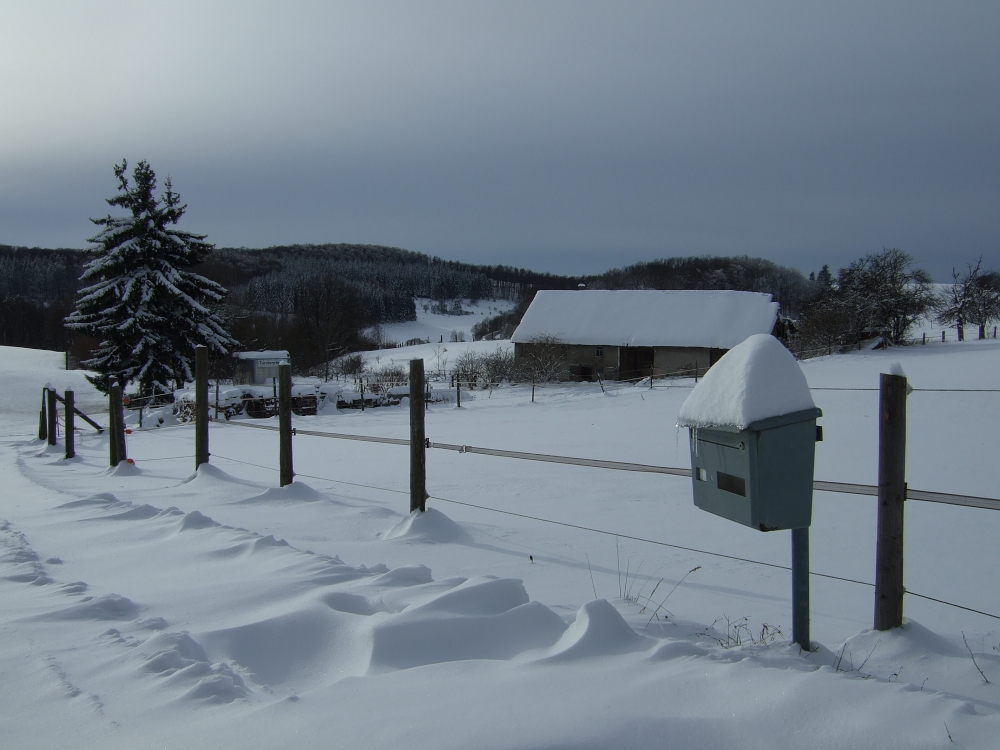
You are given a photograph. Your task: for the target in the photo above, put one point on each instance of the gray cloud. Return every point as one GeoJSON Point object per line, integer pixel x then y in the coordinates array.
{"type": "Point", "coordinates": [562, 136]}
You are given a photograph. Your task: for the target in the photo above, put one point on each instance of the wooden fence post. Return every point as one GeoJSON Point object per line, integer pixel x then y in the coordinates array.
{"type": "Point", "coordinates": [418, 439]}
{"type": "Point", "coordinates": [112, 429]}
{"type": "Point", "coordinates": [200, 405]}
{"type": "Point", "coordinates": [116, 425]}
{"type": "Point", "coordinates": [69, 404]}
{"type": "Point", "coordinates": [891, 495]}
{"type": "Point", "coordinates": [43, 418]}
{"type": "Point", "coordinates": [285, 424]}
{"type": "Point", "coordinates": [51, 416]}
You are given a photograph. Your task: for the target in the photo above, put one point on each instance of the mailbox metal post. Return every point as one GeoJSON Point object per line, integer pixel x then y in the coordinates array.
{"type": "Point", "coordinates": [800, 587]}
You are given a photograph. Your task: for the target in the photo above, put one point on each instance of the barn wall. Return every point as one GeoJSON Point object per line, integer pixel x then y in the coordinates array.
{"type": "Point", "coordinates": [667, 360]}
{"type": "Point", "coordinates": [579, 357]}
{"type": "Point", "coordinates": [677, 360]}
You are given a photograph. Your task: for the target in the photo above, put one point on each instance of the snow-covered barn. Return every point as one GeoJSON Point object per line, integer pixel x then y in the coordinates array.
{"type": "Point", "coordinates": [624, 334]}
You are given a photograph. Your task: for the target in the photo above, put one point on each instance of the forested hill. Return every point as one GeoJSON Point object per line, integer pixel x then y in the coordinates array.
{"type": "Point", "coordinates": [387, 278]}
{"type": "Point", "coordinates": [742, 273]}
{"type": "Point", "coordinates": [343, 288]}
{"type": "Point", "coordinates": [272, 290]}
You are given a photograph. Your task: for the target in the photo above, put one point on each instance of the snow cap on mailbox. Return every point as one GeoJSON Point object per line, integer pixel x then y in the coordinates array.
{"type": "Point", "coordinates": [754, 380]}
{"type": "Point", "coordinates": [753, 436]}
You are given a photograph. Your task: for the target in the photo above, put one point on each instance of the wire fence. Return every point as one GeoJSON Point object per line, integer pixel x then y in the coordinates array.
{"type": "Point", "coordinates": [947, 498]}
{"type": "Point", "coordinates": [605, 532]}
{"type": "Point", "coordinates": [818, 485]}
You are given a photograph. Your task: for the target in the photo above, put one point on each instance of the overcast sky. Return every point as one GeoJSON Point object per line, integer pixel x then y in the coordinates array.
{"type": "Point", "coordinates": [563, 136]}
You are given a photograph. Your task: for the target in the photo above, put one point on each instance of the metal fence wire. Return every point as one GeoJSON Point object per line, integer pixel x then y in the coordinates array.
{"type": "Point", "coordinates": [968, 501]}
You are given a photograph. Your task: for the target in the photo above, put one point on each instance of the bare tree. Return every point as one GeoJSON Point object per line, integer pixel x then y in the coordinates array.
{"type": "Point", "coordinates": [953, 307]}
{"type": "Point", "coordinates": [888, 294]}
{"type": "Point", "coordinates": [824, 325]}
{"type": "Point", "coordinates": [973, 297]}
{"type": "Point", "coordinates": [470, 369]}
{"type": "Point", "coordinates": [499, 366]}
{"type": "Point", "coordinates": [543, 359]}
{"type": "Point", "coordinates": [985, 307]}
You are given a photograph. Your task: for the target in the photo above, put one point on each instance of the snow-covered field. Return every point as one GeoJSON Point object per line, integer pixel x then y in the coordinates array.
{"type": "Point", "coordinates": [151, 606]}
{"type": "Point", "coordinates": [436, 328]}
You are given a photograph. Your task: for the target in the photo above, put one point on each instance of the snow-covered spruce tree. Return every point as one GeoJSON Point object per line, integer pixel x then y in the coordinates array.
{"type": "Point", "coordinates": [143, 305]}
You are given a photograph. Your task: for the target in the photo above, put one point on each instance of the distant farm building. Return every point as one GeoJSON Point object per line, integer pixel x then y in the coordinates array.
{"type": "Point", "coordinates": [256, 368]}
{"type": "Point", "coordinates": [624, 335]}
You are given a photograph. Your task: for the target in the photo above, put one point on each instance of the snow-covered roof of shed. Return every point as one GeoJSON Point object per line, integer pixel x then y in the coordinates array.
{"type": "Point", "coordinates": [713, 319]}
{"type": "Point", "coordinates": [278, 354]}
{"type": "Point", "coordinates": [755, 380]}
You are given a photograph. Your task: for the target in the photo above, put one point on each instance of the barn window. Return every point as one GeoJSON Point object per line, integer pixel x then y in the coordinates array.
{"type": "Point", "coordinates": [599, 352]}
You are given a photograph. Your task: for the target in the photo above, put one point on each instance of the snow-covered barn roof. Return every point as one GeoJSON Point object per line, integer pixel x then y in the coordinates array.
{"type": "Point", "coordinates": [712, 319]}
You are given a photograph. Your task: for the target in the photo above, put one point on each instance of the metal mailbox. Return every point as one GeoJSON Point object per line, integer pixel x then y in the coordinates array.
{"type": "Point", "coordinates": [760, 476]}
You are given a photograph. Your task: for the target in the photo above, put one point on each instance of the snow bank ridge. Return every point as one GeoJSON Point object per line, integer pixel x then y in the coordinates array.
{"type": "Point", "coordinates": [430, 526]}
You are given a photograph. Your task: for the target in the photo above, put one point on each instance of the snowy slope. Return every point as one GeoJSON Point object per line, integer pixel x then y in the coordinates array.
{"type": "Point", "coordinates": [436, 328]}
{"type": "Point", "coordinates": [148, 606]}
{"type": "Point", "coordinates": [24, 372]}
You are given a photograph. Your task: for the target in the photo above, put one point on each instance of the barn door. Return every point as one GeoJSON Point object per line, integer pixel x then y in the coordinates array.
{"type": "Point", "coordinates": [636, 362]}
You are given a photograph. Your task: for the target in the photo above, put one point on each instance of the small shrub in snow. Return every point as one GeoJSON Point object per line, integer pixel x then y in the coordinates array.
{"type": "Point", "coordinates": [470, 369]}
{"type": "Point", "coordinates": [349, 365]}
{"type": "Point", "coordinates": [738, 633]}
{"type": "Point", "coordinates": [499, 366]}
{"type": "Point", "coordinates": [385, 377]}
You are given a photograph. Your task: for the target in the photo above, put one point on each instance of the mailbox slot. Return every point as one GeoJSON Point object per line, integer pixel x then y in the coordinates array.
{"type": "Point", "coordinates": [730, 483]}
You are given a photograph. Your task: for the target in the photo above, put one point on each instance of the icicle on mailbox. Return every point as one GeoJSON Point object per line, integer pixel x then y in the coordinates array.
{"type": "Point", "coordinates": [753, 437]}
